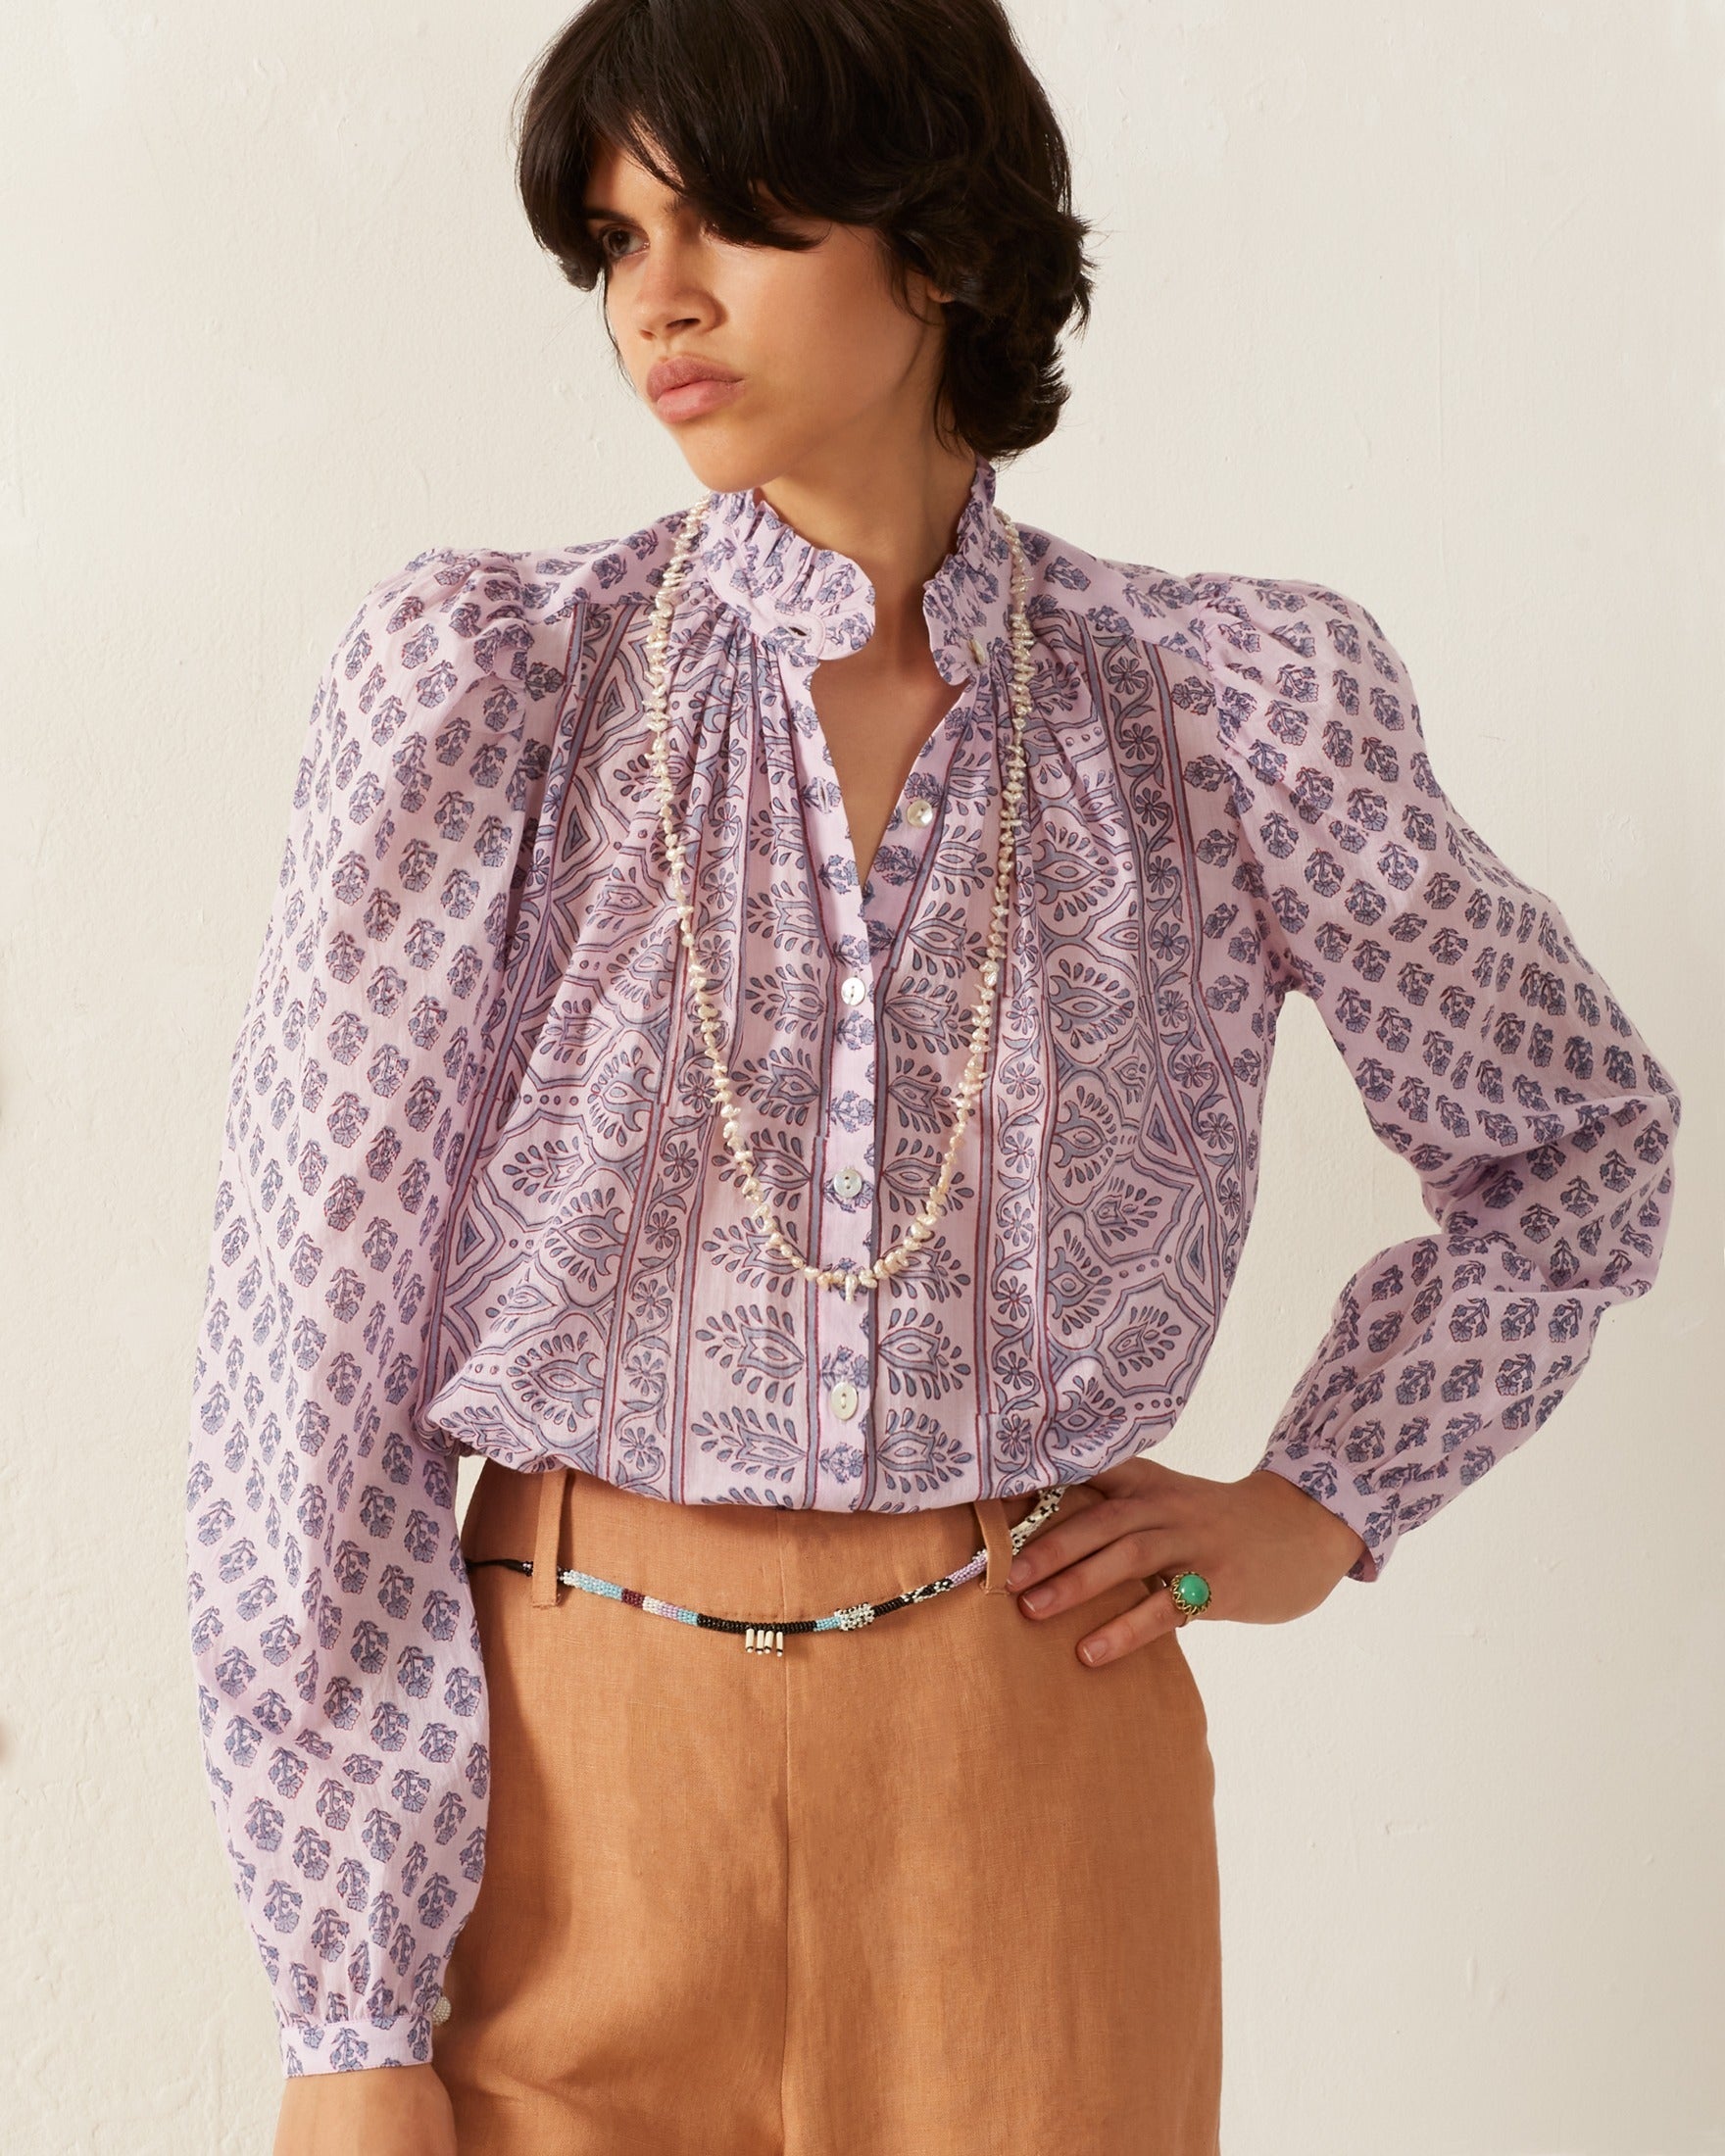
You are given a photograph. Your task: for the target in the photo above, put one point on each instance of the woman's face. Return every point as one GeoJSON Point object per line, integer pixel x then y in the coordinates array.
{"type": "Point", "coordinates": [811, 360]}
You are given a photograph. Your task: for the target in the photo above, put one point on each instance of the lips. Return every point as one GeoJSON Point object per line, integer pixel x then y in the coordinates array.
{"type": "Point", "coordinates": [675, 373]}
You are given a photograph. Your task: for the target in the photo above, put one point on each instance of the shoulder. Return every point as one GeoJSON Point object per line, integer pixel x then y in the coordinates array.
{"type": "Point", "coordinates": [433, 718]}
{"type": "Point", "coordinates": [1283, 695]}
{"type": "Point", "coordinates": [452, 617]}
{"type": "Point", "coordinates": [450, 627]}
{"type": "Point", "coordinates": [464, 652]}
{"type": "Point", "coordinates": [1297, 643]}
{"type": "Point", "coordinates": [1265, 672]}
{"type": "Point", "coordinates": [1279, 637]}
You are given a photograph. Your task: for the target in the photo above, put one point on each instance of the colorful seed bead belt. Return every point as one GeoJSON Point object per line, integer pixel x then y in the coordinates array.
{"type": "Point", "coordinates": [766, 1636]}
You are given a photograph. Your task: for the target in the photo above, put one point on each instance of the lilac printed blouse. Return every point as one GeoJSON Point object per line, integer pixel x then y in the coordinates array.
{"type": "Point", "coordinates": [473, 1196]}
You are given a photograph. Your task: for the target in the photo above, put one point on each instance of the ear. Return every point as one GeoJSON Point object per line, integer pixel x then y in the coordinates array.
{"type": "Point", "coordinates": [920, 289]}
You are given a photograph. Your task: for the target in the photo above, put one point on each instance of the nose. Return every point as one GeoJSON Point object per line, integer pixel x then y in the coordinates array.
{"type": "Point", "coordinates": [670, 294]}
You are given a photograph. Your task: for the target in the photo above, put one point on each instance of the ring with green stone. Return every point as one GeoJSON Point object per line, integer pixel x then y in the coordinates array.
{"type": "Point", "coordinates": [1188, 1591]}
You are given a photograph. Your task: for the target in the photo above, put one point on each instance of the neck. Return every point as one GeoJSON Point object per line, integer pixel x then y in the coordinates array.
{"type": "Point", "coordinates": [892, 507]}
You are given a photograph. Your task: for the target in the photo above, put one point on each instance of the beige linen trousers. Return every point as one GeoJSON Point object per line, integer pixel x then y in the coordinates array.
{"type": "Point", "coordinates": [931, 1888]}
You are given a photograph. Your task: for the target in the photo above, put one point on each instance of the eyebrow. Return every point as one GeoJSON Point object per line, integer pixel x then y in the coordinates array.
{"type": "Point", "coordinates": [591, 212]}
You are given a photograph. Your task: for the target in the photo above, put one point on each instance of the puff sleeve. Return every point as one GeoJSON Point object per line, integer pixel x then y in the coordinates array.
{"type": "Point", "coordinates": [333, 1643]}
{"type": "Point", "coordinates": [1488, 1051]}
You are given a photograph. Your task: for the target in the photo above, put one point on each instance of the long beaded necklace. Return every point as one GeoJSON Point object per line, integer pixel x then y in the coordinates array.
{"type": "Point", "coordinates": [921, 1227]}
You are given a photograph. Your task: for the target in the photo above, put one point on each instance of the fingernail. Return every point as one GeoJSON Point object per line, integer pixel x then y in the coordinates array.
{"type": "Point", "coordinates": [1019, 1572]}
{"type": "Point", "coordinates": [1094, 1651]}
{"type": "Point", "coordinates": [1036, 1598]}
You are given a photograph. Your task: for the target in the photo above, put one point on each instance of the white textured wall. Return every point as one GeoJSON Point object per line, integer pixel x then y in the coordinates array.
{"type": "Point", "coordinates": [1421, 301]}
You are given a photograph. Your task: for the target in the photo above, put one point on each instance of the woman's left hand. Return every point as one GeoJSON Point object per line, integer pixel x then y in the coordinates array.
{"type": "Point", "coordinates": [1268, 1551]}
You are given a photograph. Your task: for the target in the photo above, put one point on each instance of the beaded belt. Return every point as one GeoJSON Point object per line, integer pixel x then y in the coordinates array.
{"type": "Point", "coordinates": [766, 1636]}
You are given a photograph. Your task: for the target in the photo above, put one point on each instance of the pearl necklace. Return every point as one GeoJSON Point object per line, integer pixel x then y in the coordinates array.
{"type": "Point", "coordinates": [921, 1227]}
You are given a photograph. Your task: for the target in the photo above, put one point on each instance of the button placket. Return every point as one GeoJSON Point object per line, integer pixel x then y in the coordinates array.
{"type": "Point", "coordinates": [844, 1327]}
{"type": "Point", "coordinates": [841, 1326]}
{"type": "Point", "coordinates": [844, 1324]}
{"type": "Point", "coordinates": [912, 831]}
{"type": "Point", "coordinates": [800, 601]}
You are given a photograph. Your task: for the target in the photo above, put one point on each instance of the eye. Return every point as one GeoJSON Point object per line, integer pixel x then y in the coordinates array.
{"type": "Point", "coordinates": [609, 233]}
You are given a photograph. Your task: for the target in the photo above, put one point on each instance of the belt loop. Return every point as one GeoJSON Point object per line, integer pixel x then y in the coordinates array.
{"type": "Point", "coordinates": [551, 1484]}
{"type": "Point", "coordinates": [991, 1513]}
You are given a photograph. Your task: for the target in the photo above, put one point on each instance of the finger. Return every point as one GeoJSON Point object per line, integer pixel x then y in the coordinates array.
{"type": "Point", "coordinates": [1082, 1528]}
{"type": "Point", "coordinates": [1133, 1555]}
{"type": "Point", "coordinates": [1136, 1626]}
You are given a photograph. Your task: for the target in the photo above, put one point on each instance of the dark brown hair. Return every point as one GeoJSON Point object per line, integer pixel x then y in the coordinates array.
{"type": "Point", "coordinates": [920, 119]}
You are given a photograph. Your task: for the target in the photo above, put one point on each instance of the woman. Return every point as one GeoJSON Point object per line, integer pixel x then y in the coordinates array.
{"type": "Point", "coordinates": [762, 1036]}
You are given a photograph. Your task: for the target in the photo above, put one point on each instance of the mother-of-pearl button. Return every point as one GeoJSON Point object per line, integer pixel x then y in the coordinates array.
{"type": "Point", "coordinates": [842, 1400]}
{"type": "Point", "coordinates": [846, 1182]}
{"type": "Point", "coordinates": [853, 988]}
{"type": "Point", "coordinates": [919, 812]}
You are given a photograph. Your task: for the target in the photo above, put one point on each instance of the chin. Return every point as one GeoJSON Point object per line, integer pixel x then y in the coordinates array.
{"type": "Point", "coordinates": [730, 458]}
{"type": "Point", "coordinates": [724, 467]}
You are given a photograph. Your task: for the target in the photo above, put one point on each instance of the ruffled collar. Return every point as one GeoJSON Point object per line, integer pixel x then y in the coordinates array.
{"type": "Point", "coordinates": [813, 602]}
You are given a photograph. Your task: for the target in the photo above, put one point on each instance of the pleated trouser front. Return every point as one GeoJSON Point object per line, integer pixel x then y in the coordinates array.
{"type": "Point", "coordinates": [929, 1888]}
